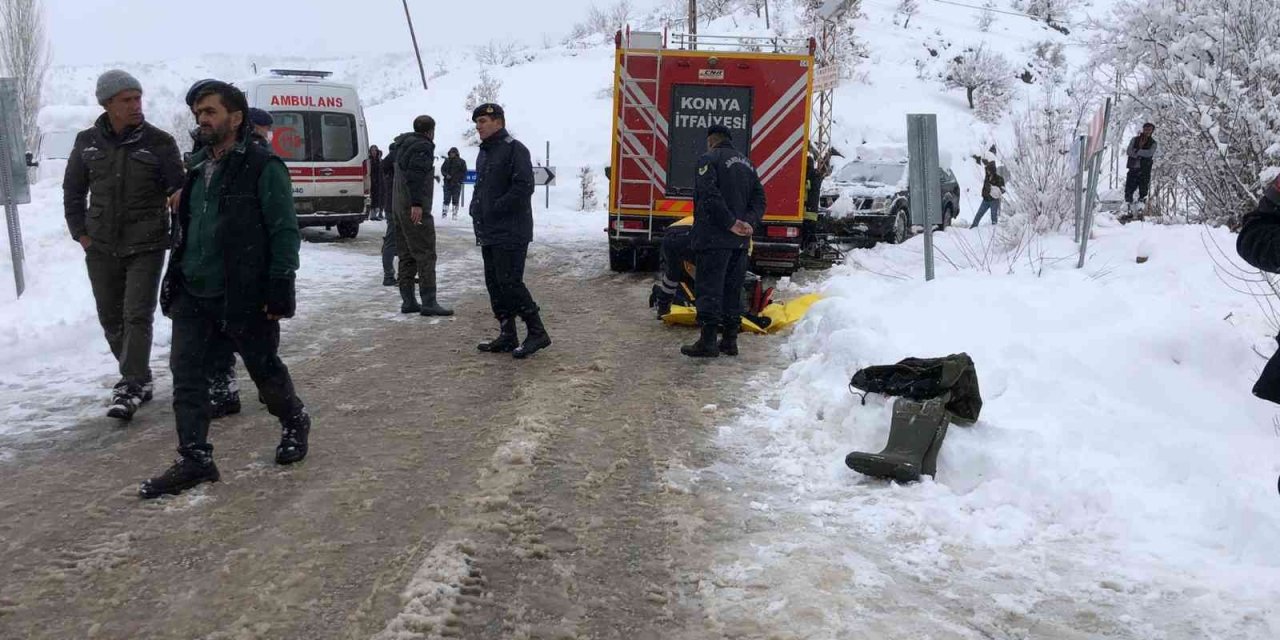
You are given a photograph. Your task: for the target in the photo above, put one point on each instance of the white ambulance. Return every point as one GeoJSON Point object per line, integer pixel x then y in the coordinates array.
{"type": "Point", "coordinates": [320, 133]}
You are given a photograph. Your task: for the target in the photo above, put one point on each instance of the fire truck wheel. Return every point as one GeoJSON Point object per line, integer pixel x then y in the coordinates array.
{"type": "Point", "coordinates": [622, 260]}
{"type": "Point", "coordinates": [348, 229]}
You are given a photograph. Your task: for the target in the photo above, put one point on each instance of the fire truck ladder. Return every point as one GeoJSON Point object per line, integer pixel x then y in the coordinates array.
{"type": "Point", "coordinates": [648, 114]}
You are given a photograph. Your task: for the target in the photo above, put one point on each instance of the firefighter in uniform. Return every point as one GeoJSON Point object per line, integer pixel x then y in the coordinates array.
{"type": "Point", "coordinates": [728, 204]}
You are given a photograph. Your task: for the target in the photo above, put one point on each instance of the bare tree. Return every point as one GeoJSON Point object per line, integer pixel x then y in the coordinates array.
{"type": "Point", "coordinates": [1039, 180]}
{"type": "Point", "coordinates": [25, 54]}
{"type": "Point", "coordinates": [987, 17]}
{"type": "Point", "coordinates": [908, 8]}
{"type": "Point", "coordinates": [589, 201]}
{"type": "Point", "coordinates": [486, 90]}
{"type": "Point", "coordinates": [985, 77]}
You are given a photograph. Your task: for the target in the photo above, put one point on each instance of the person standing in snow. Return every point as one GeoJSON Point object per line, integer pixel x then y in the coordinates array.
{"type": "Point", "coordinates": [1142, 153]}
{"type": "Point", "coordinates": [127, 170]}
{"type": "Point", "coordinates": [375, 183]}
{"type": "Point", "coordinates": [454, 171]}
{"type": "Point", "coordinates": [231, 272]}
{"type": "Point", "coordinates": [502, 212]}
{"type": "Point", "coordinates": [414, 159]}
{"type": "Point", "coordinates": [992, 192]}
{"type": "Point", "coordinates": [262, 123]}
{"type": "Point", "coordinates": [387, 167]}
{"type": "Point", "coordinates": [728, 204]}
{"type": "Point", "coordinates": [1259, 244]}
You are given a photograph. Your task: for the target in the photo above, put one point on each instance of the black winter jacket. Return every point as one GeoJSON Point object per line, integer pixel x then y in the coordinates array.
{"type": "Point", "coordinates": [726, 190]}
{"type": "Point", "coordinates": [454, 171]}
{"type": "Point", "coordinates": [416, 160]}
{"type": "Point", "coordinates": [1259, 245]}
{"type": "Point", "coordinates": [127, 180]}
{"type": "Point", "coordinates": [502, 206]}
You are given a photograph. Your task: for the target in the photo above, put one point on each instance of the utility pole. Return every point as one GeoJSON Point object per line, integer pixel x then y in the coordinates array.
{"type": "Point", "coordinates": [693, 24]}
{"type": "Point", "coordinates": [413, 36]}
{"type": "Point", "coordinates": [766, 15]}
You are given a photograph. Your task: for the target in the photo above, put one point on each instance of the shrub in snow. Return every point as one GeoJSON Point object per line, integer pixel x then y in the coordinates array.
{"type": "Point", "coordinates": [1040, 178]}
{"type": "Point", "coordinates": [985, 77]}
{"type": "Point", "coordinates": [847, 50]}
{"type": "Point", "coordinates": [987, 16]}
{"type": "Point", "coordinates": [601, 24]}
{"type": "Point", "coordinates": [486, 90]}
{"type": "Point", "coordinates": [1207, 73]}
{"type": "Point", "coordinates": [588, 200]}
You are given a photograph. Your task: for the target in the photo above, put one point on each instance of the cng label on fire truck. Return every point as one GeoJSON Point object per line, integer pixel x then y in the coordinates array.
{"type": "Point", "coordinates": [711, 74]}
{"type": "Point", "coordinates": [694, 108]}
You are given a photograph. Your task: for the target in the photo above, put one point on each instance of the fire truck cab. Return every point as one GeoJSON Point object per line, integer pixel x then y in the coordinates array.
{"type": "Point", "coordinates": [320, 134]}
{"type": "Point", "coordinates": [666, 94]}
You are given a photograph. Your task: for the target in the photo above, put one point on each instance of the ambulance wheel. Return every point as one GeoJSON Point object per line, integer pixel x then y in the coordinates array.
{"type": "Point", "coordinates": [622, 260]}
{"type": "Point", "coordinates": [348, 229]}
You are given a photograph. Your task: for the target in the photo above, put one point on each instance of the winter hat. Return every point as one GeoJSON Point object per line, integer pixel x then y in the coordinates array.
{"type": "Point", "coordinates": [719, 129]}
{"type": "Point", "coordinates": [113, 82]}
{"type": "Point", "coordinates": [488, 109]}
{"type": "Point", "coordinates": [260, 118]}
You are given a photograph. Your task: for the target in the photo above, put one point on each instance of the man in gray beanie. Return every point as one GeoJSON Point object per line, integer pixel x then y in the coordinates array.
{"type": "Point", "coordinates": [115, 194]}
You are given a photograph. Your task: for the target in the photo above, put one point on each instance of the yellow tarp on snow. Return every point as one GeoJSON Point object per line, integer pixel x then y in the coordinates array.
{"type": "Point", "coordinates": [782, 315]}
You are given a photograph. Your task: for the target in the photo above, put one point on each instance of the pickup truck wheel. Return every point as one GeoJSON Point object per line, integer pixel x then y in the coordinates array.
{"type": "Point", "coordinates": [348, 229]}
{"type": "Point", "coordinates": [901, 230]}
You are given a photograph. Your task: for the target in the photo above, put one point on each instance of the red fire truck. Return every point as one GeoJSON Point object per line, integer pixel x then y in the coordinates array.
{"type": "Point", "coordinates": [665, 96]}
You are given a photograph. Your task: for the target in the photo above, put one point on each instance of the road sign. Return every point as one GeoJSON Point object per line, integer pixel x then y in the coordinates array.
{"type": "Point", "coordinates": [826, 77]}
{"type": "Point", "coordinates": [544, 176]}
{"type": "Point", "coordinates": [925, 181]}
{"type": "Point", "coordinates": [13, 174]}
{"type": "Point", "coordinates": [470, 178]}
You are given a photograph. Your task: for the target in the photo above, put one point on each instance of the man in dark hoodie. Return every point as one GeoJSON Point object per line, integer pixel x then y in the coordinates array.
{"type": "Point", "coordinates": [127, 170]}
{"type": "Point", "coordinates": [502, 210]}
{"type": "Point", "coordinates": [414, 154]}
{"type": "Point", "coordinates": [387, 167]}
{"type": "Point", "coordinates": [454, 171]}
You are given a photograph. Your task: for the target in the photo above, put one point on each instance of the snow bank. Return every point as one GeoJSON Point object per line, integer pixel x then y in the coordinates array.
{"type": "Point", "coordinates": [1120, 464]}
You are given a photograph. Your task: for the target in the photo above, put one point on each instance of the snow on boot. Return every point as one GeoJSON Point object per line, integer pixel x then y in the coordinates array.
{"type": "Point", "coordinates": [429, 305]}
{"type": "Point", "coordinates": [455, 212]}
{"type": "Point", "coordinates": [705, 347]}
{"type": "Point", "coordinates": [125, 400]}
{"type": "Point", "coordinates": [409, 302]}
{"type": "Point", "coordinates": [729, 340]}
{"type": "Point", "coordinates": [506, 341]}
{"type": "Point", "coordinates": [536, 340]}
{"type": "Point", "coordinates": [293, 438]}
{"type": "Point", "coordinates": [224, 398]}
{"type": "Point", "coordinates": [915, 437]}
{"type": "Point", "coordinates": [186, 473]}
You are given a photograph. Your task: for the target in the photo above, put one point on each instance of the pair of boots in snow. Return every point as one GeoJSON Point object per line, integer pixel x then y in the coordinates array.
{"type": "Point", "coordinates": [444, 212]}
{"type": "Point", "coordinates": [508, 341]}
{"type": "Point", "coordinates": [915, 438]}
{"type": "Point", "coordinates": [707, 347]}
{"type": "Point", "coordinates": [428, 307]}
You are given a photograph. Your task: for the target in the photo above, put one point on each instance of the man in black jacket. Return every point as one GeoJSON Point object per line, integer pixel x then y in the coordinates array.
{"type": "Point", "coordinates": [231, 272]}
{"type": "Point", "coordinates": [387, 167]}
{"type": "Point", "coordinates": [728, 205]}
{"type": "Point", "coordinates": [415, 226]}
{"type": "Point", "coordinates": [127, 169]}
{"type": "Point", "coordinates": [1259, 245]}
{"type": "Point", "coordinates": [454, 171]}
{"type": "Point", "coordinates": [502, 210]}
{"type": "Point", "coordinates": [1141, 154]}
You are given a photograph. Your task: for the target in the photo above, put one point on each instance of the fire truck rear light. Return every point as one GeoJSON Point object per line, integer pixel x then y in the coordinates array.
{"type": "Point", "coordinates": [782, 232]}
{"type": "Point", "coordinates": [629, 225]}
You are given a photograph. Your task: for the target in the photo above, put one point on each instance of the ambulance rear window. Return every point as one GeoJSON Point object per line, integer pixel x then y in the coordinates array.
{"type": "Point", "coordinates": [314, 136]}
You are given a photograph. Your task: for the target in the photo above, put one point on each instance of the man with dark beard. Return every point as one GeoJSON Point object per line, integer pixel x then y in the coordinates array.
{"type": "Point", "coordinates": [231, 271]}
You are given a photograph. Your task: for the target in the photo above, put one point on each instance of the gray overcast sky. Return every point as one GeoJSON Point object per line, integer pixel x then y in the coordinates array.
{"type": "Point", "coordinates": [90, 31]}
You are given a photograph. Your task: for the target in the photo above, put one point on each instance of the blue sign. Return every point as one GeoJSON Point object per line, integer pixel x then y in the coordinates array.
{"type": "Point", "coordinates": [471, 177]}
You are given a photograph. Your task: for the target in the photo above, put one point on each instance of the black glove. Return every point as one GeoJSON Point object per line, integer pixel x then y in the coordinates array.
{"type": "Point", "coordinates": [281, 299]}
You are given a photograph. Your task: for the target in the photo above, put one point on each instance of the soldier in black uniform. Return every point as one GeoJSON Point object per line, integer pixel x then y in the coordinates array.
{"type": "Point", "coordinates": [502, 210]}
{"type": "Point", "coordinates": [728, 205]}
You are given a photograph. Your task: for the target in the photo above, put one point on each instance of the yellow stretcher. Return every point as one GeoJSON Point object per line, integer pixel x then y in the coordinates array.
{"type": "Point", "coordinates": [781, 315]}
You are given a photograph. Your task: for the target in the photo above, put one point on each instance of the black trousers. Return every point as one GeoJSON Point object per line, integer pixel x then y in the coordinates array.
{"type": "Point", "coordinates": [389, 247]}
{"type": "Point", "coordinates": [718, 286]}
{"type": "Point", "coordinates": [1137, 180]}
{"type": "Point", "coordinates": [452, 195]}
{"type": "Point", "coordinates": [197, 323]}
{"type": "Point", "coordinates": [504, 278]}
